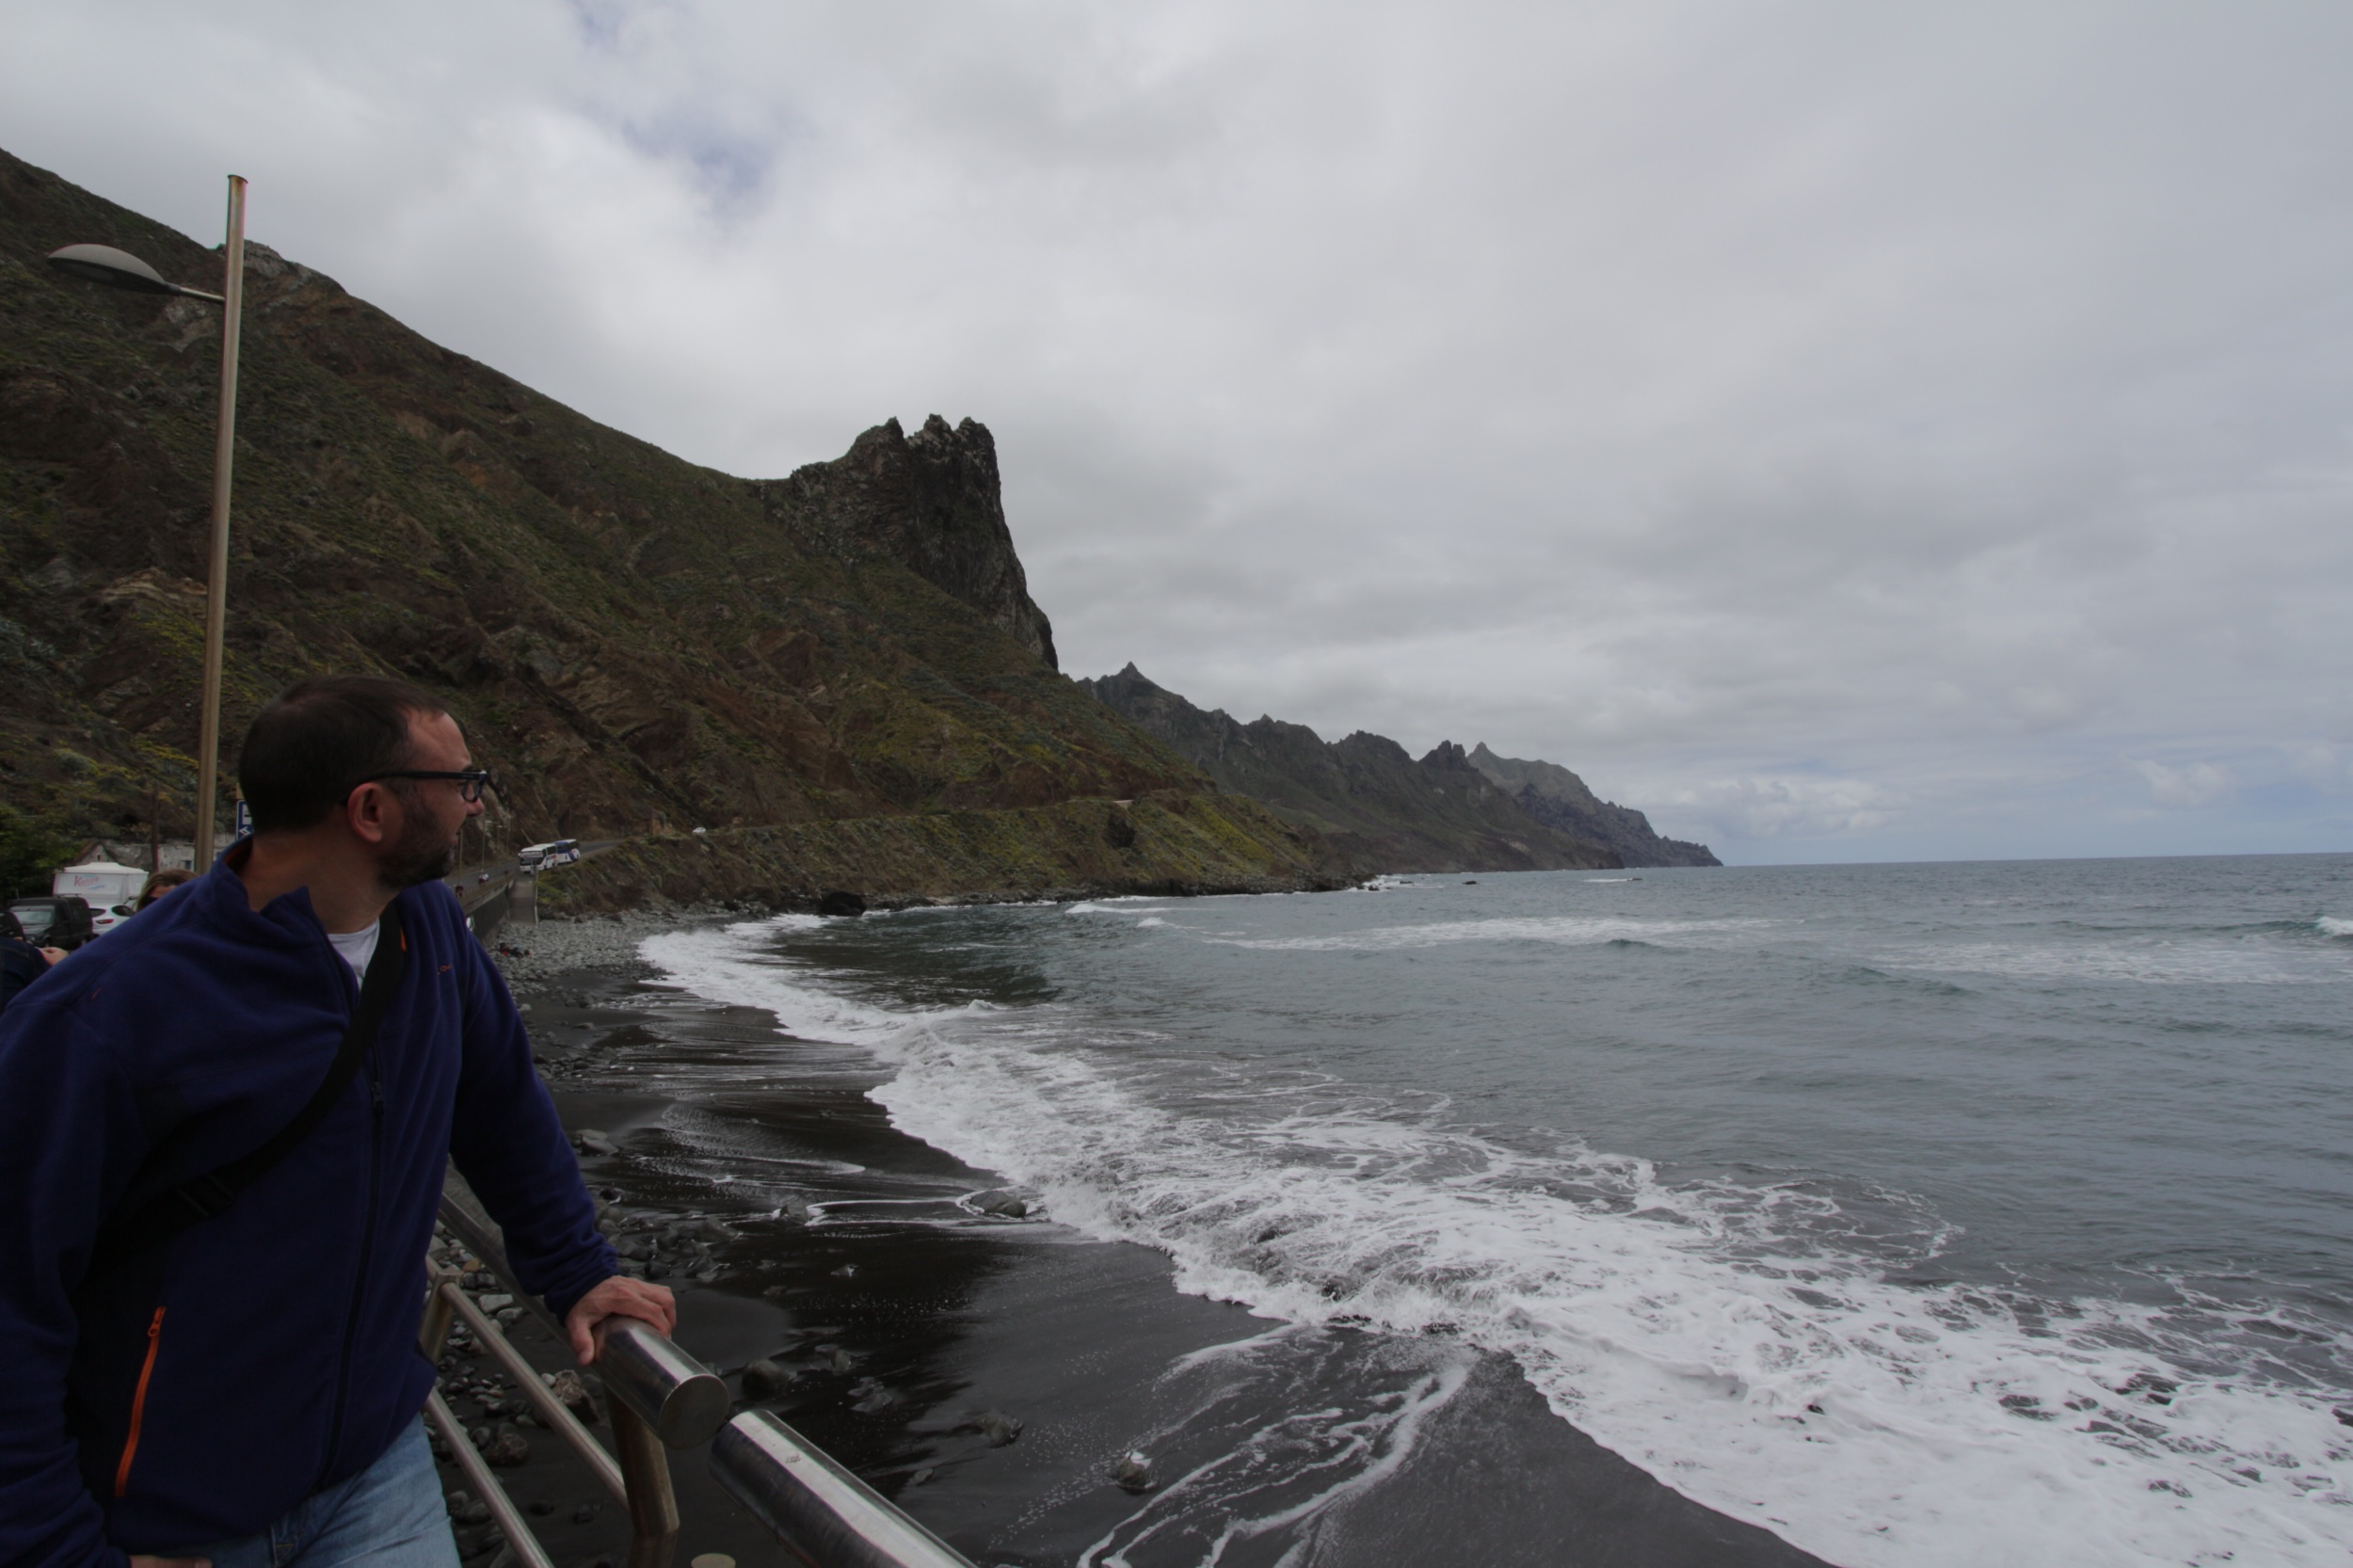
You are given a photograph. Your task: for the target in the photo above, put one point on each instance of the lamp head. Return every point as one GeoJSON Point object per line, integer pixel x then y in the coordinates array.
{"type": "Point", "coordinates": [104, 264]}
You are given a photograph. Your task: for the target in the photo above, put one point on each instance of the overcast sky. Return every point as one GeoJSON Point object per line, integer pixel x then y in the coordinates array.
{"type": "Point", "coordinates": [1844, 431]}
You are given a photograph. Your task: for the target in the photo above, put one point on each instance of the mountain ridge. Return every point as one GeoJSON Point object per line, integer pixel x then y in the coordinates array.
{"type": "Point", "coordinates": [637, 643]}
{"type": "Point", "coordinates": [1379, 807]}
{"type": "Point", "coordinates": [1558, 798]}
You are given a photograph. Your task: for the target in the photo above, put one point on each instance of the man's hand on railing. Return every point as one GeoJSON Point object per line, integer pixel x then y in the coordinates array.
{"type": "Point", "coordinates": [619, 1297]}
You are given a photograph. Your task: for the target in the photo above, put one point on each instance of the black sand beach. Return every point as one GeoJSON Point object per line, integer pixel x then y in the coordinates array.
{"type": "Point", "coordinates": [914, 1330]}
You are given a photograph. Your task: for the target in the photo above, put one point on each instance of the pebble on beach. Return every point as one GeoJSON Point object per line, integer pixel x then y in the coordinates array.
{"type": "Point", "coordinates": [508, 1450]}
{"type": "Point", "coordinates": [764, 1380]}
{"type": "Point", "coordinates": [997, 1426]}
{"type": "Point", "coordinates": [558, 947]}
{"type": "Point", "coordinates": [572, 1394]}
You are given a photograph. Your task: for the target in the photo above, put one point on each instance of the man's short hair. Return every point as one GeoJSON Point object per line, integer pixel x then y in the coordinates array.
{"type": "Point", "coordinates": [319, 739]}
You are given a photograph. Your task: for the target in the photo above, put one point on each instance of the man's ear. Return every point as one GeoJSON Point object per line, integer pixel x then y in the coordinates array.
{"type": "Point", "coordinates": [368, 811]}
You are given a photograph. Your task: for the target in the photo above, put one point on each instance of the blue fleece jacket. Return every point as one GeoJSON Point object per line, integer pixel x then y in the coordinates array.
{"type": "Point", "coordinates": [196, 1394]}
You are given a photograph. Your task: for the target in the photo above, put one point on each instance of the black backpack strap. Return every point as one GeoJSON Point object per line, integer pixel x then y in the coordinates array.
{"type": "Point", "coordinates": [157, 1220]}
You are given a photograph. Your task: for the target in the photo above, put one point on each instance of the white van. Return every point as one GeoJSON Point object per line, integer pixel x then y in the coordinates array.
{"type": "Point", "coordinates": [111, 890]}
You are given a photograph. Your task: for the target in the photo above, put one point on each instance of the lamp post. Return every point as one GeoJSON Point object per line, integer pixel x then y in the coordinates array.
{"type": "Point", "coordinates": [103, 263]}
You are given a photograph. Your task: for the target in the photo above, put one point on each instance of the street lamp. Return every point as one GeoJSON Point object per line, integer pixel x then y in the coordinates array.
{"type": "Point", "coordinates": [104, 264]}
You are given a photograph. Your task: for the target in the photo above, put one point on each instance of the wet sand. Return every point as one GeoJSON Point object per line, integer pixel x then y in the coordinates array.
{"type": "Point", "coordinates": [845, 1256]}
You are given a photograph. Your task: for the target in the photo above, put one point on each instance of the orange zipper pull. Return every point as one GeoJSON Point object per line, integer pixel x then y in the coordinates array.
{"type": "Point", "coordinates": [138, 1402]}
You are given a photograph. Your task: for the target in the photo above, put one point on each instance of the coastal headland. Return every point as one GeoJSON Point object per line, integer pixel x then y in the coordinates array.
{"type": "Point", "coordinates": [637, 644]}
{"type": "Point", "coordinates": [840, 675]}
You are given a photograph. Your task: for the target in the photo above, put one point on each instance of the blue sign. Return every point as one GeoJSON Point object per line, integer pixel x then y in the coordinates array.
{"type": "Point", "coordinates": [243, 823]}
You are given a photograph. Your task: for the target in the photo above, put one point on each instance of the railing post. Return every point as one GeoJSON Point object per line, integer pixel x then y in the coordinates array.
{"type": "Point", "coordinates": [502, 1510]}
{"type": "Point", "coordinates": [652, 1505]}
{"type": "Point", "coordinates": [433, 1334]}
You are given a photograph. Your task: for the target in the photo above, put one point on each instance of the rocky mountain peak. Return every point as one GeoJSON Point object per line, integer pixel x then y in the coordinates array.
{"type": "Point", "coordinates": [1376, 808]}
{"type": "Point", "coordinates": [1560, 800]}
{"type": "Point", "coordinates": [932, 502]}
{"type": "Point", "coordinates": [1550, 779]}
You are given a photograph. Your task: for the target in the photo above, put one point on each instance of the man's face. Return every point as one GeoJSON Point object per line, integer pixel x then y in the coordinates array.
{"type": "Point", "coordinates": [432, 810]}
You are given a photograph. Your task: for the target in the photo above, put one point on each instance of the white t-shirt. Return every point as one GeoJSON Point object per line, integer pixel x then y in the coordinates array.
{"type": "Point", "coordinates": [357, 948]}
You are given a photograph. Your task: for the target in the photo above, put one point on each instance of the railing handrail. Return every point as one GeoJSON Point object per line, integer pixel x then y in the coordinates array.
{"type": "Point", "coordinates": [660, 1396]}
{"type": "Point", "coordinates": [815, 1505]}
{"type": "Point", "coordinates": [684, 1401]}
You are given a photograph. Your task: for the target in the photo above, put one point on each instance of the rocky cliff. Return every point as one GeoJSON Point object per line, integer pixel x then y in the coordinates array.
{"type": "Point", "coordinates": [1377, 807]}
{"type": "Point", "coordinates": [930, 502]}
{"type": "Point", "coordinates": [635, 643]}
{"type": "Point", "coordinates": [1559, 799]}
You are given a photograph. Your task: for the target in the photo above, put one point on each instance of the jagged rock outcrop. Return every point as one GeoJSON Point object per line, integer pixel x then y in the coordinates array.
{"type": "Point", "coordinates": [1379, 807]}
{"type": "Point", "coordinates": [635, 643]}
{"type": "Point", "coordinates": [930, 501]}
{"type": "Point", "coordinates": [1559, 799]}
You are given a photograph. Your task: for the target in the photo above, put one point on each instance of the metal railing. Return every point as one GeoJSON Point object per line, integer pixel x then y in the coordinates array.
{"type": "Point", "coordinates": [828, 1516]}
{"type": "Point", "coordinates": [661, 1398]}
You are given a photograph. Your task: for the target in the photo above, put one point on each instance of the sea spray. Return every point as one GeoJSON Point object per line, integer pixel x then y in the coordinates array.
{"type": "Point", "coordinates": [1780, 1349]}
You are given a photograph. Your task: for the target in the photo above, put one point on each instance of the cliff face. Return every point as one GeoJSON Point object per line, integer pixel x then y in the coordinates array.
{"type": "Point", "coordinates": [1559, 799]}
{"type": "Point", "coordinates": [1379, 808]}
{"type": "Point", "coordinates": [930, 502]}
{"type": "Point", "coordinates": [630, 639]}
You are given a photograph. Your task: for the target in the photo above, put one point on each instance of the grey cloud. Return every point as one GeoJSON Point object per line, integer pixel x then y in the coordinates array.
{"type": "Point", "coordinates": [1844, 430]}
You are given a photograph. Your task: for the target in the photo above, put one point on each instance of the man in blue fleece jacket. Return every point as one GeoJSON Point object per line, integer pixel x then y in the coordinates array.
{"type": "Point", "coordinates": [248, 1391]}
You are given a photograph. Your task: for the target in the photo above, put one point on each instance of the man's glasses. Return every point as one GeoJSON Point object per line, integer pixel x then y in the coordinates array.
{"type": "Point", "coordinates": [471, 783]}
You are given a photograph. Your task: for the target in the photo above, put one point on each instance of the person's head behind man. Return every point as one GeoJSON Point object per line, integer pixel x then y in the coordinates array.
{"type": "Point", "coordinates": [163, 882]}
{"type": "Point", "coordinates": [332, 766]}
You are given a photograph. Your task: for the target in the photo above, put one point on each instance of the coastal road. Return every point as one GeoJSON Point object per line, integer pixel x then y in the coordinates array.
{"type": "Point", "coordinates": [476, 886]}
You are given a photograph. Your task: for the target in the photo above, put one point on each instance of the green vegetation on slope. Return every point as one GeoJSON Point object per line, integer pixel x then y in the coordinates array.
{"type": "Point", "coordinates": [1165, 844]}
{"type": "Point", "coordinates": [634, 642]}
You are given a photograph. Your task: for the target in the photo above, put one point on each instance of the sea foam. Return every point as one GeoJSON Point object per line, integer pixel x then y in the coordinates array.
{"type": "Point", "coordinates": [1572, 930]}
{"type": "Point", "coordinates": [1713, 1334]}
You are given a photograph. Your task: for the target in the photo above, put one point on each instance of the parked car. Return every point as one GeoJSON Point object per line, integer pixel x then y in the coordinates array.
{"type": "Point", "coordinates": [55, 923]}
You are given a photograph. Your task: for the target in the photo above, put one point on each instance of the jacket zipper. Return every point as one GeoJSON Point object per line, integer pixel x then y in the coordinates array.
{"type": "Point", "coordinates": [138, 1402]}
{"type": "Point", "coordinates": [367, 1240]}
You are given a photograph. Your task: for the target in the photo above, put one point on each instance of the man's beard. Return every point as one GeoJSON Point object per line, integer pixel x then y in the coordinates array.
{"type": "Point", "coordinates": [422, 853]}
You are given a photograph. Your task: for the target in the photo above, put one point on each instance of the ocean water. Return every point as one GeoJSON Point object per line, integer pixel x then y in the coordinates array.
{"type": "Point", "coordinates": [1930, 1214]}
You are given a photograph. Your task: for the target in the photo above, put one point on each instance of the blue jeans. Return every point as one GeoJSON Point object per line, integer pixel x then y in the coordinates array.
{"type": "Point", "coordinates": [389, 1515]}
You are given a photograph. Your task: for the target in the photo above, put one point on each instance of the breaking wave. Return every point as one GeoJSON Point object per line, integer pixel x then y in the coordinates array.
{"type": "Point", "coordinates": [1753, 1345]}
